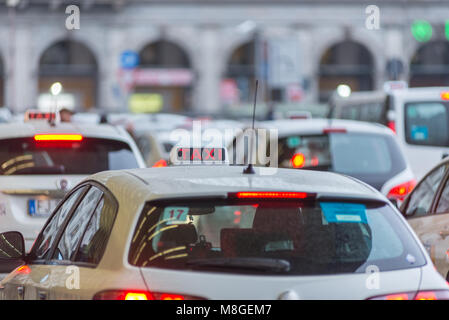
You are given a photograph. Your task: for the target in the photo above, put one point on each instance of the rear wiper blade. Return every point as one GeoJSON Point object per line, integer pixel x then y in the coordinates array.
{"type": "Point", "coordinates": [262, 264]}
{"type": "Point", "coordinates": [58, 169]}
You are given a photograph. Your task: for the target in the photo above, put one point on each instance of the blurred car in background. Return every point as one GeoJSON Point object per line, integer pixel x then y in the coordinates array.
{"type": "Point", "coordinates": [427, 211]}
{"type": "Point", "coordinates": [369, 106]}
{"type": "Point", "coordinates": [41, 161]}
{"type": "Point", "coordinates": [421, 118]}
{"type": "Point", "coordinates": [369, 152]}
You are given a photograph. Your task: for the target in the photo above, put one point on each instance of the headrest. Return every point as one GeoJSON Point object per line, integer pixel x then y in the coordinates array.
{"type": "Point", "coordinates": [180, 235]}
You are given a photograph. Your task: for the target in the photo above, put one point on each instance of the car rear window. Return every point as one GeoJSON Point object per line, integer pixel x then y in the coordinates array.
{"type": "Point", "coordinates": [426, 123]}
{"type": "Point", "coordinates": [272, 237]}
{"type": "Point", "coordinates": [368, 157]}
{"type": "Point", "coordinates": [91, 155]}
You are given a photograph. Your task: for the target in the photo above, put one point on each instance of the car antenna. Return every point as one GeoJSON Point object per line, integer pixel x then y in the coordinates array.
{"type": "Point", "coordinates": [250, 169]}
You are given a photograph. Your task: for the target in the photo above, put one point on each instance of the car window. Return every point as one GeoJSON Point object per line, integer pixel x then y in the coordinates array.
{"type": "Point", "coordinates": [369, 157]}
{"type": "Point", "coordinates": [45, 240]}
{"type": "Point", "coordinates": [258, 237]}
{"type": "Point", "coordinates": [77, 224]}
{"type": "Point", "coordinates": [443, 201]}
{"type": "Point", "coordinates": [421, 198]}
{"type": "Point", "coordinates": [20, 156]}
{"type": "Point", "coordinates": [426, 123]}
{"type": "Point", "coordinates": [350, 112]}
{"type": "Point", "coordinates": [97, 234]}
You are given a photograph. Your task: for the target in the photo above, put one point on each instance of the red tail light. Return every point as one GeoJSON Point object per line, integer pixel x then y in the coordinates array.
{"type": "Point", "coordinates": [400, 191]}
{"type": "Point", "coordinates": [445, 95]}
{"type": "Point", "coordinates": [23, 269]}
{"type": "Point", "coordinates": [140, 295]}
{"type": "Point", "coordinates": [334, 130]}
{"type": "Point", "coordinates": [421, 295]}
{"type": "Point", "coordinates": [271, 195]}
{"type": "Point", "coordinates": [58, 137]}
{"type": "Point", "coordinates": [298, 160]}
{"type": "Point", "coordinates": [392, 126]}
{"type": "Point", "coordinates": [159, 164]}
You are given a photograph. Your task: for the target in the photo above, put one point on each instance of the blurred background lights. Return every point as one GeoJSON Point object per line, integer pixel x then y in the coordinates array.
{"type": "Point", "coordinates": [343, 90]}
{"type": "Point", "coordinates": [421, 30]}
{"type": "Point", "coordinates": [56, 88]}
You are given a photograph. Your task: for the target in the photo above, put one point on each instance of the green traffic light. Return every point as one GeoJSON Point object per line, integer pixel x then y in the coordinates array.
{"type": "Point", "coordinates": [421, 30]}
{"type": "Point", "coordinates": [446, 29]}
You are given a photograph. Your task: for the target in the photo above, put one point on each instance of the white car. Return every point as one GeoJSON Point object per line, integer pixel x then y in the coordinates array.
{"type": "Point", "coordinates": [421, 118]}
{"type": "Point", "coordinates": [40, 163]}
{"type": "Point", "coordinates": [368, 152]}
{"type": "Point", "coordinates": [214, 232]}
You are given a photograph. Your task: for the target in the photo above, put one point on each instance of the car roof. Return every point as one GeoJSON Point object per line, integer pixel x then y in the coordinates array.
{"type": "Point", "coordinates": [292, 126]}
{"type": "Point", "coordinates": [420, 94]}
{"type": "Point", "coordinates": [213, 180]}
{"type": "Point", "coordinates": [30, 128]}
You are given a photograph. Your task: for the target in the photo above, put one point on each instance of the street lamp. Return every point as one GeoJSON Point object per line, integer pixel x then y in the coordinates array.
{"type": "Point", "coordinates": [56, 88]}
{"type": "Point", "coordinates": [343, 90]}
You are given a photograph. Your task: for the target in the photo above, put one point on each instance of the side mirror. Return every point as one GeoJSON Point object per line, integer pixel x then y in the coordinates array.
{"type": "Point", "coordinates": [12, 245]}
{"type": "Point", "coordinates": [12, 251]}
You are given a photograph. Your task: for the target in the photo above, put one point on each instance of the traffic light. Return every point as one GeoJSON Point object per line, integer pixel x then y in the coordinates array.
{"type": "Point", "coordinates": [422, 30]}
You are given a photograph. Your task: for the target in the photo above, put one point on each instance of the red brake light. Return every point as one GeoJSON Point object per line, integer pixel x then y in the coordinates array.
{"type": "Point", "coordinates": [298, 160]}
{"type": "Point", "coordinates": [392, 126]}
{"type": "Point", "coordinates": [23, 269]}
{"type": "Point", "coordinates": [271, 195]}
{"type": "Point", "coordinates": [137, 296]}
{"type": "Point", "coordinates": [168, 296]}
{"type": "Point", "coordinates": [159, 164]}
{"type": "Point", "coordinates": [445, 95]}
{"type": "Point", "coordinates": [421, 295]}
{"type": "Point", "coordinates": [400, 191]}
{"type": "Point", "coordinates": [334, 130]}
{"type": "Point", "coordinates": [140, 295]}
{"type": "Point", "coordinates": [58, 137]}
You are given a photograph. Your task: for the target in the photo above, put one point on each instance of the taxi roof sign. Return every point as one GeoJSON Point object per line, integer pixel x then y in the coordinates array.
{"type": "Point", "coordinates": [198, 155]}
{"type": "Point", "coordinates": [37, 115]}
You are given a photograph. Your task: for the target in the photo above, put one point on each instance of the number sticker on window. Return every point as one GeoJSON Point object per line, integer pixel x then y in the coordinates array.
{"type": "Point", "coordinates": [173, 215]}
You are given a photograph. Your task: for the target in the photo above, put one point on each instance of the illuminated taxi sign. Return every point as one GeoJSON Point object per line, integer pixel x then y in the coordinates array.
{"type": "Point", "coordinates": [199, 155]}
{"type": "Point", "coordinates": [32, 115]}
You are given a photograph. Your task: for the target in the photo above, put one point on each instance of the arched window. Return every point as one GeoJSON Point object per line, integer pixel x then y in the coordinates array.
{"type": "Point", "coordinates": [74, 65]}
{"type": "Point", "coordinates": [430, 65]}
{"type": "Point", "coordinates": [240, 75]}
{"type": "Point", "coordinates": [163, 80]}
{"type": "Point", "coordinates": [348, 63]}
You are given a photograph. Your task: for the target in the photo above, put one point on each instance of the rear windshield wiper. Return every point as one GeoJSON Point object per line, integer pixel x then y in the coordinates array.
{"type": "Point", "coordinates": [58, 169]}
{"type": "Point", "coordinates": [261, 264]}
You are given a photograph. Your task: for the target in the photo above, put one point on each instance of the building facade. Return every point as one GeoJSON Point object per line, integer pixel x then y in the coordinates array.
{"type": "Point", "coordinates": [203, 56]}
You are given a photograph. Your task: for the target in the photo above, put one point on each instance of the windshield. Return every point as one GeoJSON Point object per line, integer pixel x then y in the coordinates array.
{"type": "Point", "coordinates": [370, 157]}
{"type": "Point", "coordinates": [91, 155]}
{"type": "Point", "coordinates": [272, 237]}
{"type": "Point", "coordinates": [426, 123]}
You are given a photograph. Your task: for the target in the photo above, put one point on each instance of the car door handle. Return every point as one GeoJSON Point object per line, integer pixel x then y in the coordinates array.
{"type": "Point", "coordinates": [42, 295]}
{"type": "Point", "coordinates": [20, 293]}
{"type": "Point", "coordinates": [444, 233]}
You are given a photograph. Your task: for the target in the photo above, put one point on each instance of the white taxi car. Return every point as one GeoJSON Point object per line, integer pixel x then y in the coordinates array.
{"type": "Point", "coordinates": [40, 162]}
{"type": "Point", "coordinates": [214, 232]}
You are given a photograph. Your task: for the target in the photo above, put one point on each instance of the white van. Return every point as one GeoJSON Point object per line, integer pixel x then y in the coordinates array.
{"type": "Point", "coordinates": [422, 125]}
